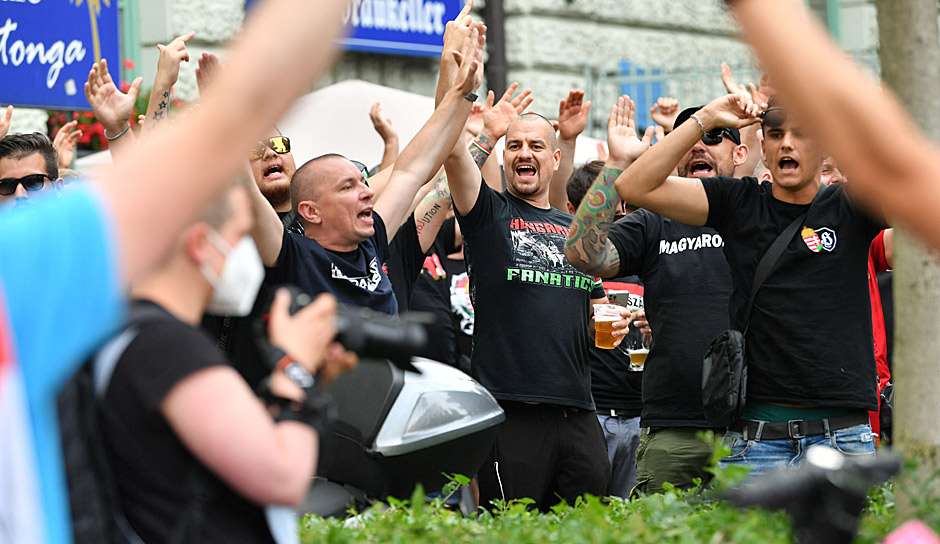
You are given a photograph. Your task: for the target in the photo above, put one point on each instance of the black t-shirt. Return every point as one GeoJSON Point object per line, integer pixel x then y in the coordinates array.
{"type": "Point", "coordinates": [355, 277]}
{"type": "Point", "coordinates": [531, 334]}
{"type": "Point", "coordinates": [404, 262]}
{"type": "Point", "coordinates": [432, 295]}
{"type": "Point", "coordinates": [613, 384]}
{"type": "Point", "coordinates": [153, 469]}
{"type": "Point", "coordinates": [686, 290]}
{"type": "Point", "coordinates": [809, 341]}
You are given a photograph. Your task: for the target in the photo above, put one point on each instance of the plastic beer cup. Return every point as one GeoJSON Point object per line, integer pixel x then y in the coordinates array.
{"type": "Point", "coordinates": [604, 317]}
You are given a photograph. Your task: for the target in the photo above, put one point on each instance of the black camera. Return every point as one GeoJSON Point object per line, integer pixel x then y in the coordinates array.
{"type": "Point", "coordinates": [367, 333]}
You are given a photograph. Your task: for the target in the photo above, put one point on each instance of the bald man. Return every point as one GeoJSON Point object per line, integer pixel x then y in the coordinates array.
{"type": "Point", "coordinates": [531, 333]}
{"type": "Point", "coordinates": [343, 248]}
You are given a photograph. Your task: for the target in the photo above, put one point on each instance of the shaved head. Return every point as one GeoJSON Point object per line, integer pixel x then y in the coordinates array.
{"type": "Point", "coordinates": [312, 176]}
{"type": "Point", "coordinates": [549, 128]}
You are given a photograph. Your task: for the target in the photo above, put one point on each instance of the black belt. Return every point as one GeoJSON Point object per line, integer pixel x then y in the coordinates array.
{"type": "Point", "coordinates": [795, 428]}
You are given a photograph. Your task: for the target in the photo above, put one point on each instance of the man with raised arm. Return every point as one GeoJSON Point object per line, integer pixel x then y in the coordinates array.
{"type": "Point", "coordinates": [811, 378]}
{"type": "Point", "coordinates": [848, 111]}
{"type": "Point", "coordinates": [532, 307]}
{"type": "Point", "coordinates": [66, 260]}
{"type": "Point", "coordinates": [344, 247]}
{"type": "Point", "coordinates": [686, 289]}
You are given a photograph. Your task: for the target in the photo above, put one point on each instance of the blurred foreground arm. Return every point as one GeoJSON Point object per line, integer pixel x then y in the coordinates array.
{"type": "Point", "coordinates": [163, 185]}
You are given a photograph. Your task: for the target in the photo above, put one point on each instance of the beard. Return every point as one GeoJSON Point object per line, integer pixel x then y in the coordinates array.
{"type": "Point", "coordinates": [278, 193]}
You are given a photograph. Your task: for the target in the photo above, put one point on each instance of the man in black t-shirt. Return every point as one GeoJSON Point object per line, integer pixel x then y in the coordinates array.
{"type": "Point", "coordinates": [531, 328]}
{"type": "Point", "coordinates": [344, 246]}
{"type": "Point", "coordinates": [811, 369]}
{"type": "Point", "coordinates": [686, 289]}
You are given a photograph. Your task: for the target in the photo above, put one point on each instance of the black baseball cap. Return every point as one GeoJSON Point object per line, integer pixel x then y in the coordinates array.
{"type": "Point", "coordinates": [685, 114]}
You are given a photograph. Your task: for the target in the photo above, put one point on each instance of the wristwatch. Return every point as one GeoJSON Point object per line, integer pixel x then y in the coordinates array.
{"type": "Point", "coordinates": [471, 97]}
{"type": "Point", "coordinates": [294, 371]}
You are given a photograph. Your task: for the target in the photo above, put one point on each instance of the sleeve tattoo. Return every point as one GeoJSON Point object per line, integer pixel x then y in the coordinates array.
{"type": "Point", "coordinates": [588, 237]}
{"type": "Point", "coordinates": [478, 150]}
{"type": "Point", "coordinates": [438, 200]}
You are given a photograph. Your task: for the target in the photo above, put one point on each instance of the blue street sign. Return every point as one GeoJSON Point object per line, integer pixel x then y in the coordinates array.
{"type": "Point", "coordinates": [47, 48]}
{"type": "Point", "coordinates": [397, 27]}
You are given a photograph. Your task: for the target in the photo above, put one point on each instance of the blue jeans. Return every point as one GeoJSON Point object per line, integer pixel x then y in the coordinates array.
{"type": "Point", "coordinates": [623, 437]}
{"type": "Point", "coordinates": [767, 455]}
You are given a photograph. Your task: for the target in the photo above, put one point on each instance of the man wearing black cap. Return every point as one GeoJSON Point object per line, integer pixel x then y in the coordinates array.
{"type": "Point", "coordinates": [810, 366]}
{"type": "Point", "coordinates": [687, 286]}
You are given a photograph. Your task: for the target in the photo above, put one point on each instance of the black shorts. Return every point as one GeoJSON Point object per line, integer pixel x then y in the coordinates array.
{"type": "Point", "coordinates": [547, 453]}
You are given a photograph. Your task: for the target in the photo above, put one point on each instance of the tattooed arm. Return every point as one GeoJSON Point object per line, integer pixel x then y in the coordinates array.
{"type": "Point", "coordinates": [587, 248]}
{"type": "Point", "coordinates": [432, 210]}
{"type": "Point", "coordinates": [168, 71]}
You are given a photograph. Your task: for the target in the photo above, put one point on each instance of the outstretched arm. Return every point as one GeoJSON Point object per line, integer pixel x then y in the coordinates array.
{"type": "Point", "coordinates": [432, 210]}
{"type": "Point", "coordinates": [573, 114]}
{"type": "Point", "coordinates": [383, 126]}
{"type": "Point", "coordinates": [587, 248]}
{"type": "Point", "coordinates": [647, 182]}
{"type": "Point", "coordinates": [834, 97]}
{"type": "Point", "coordinates": [423, 156]}
{"type": "Point", "coordinates": [168, 72]}
{"type": "Point", "coordinates": [112, 108]}
{"type": "Point", "coordinates": [165, 184]}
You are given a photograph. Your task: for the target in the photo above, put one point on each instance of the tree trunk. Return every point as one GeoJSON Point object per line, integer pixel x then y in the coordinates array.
{"type": "Point", "coordinates": [910, 64]}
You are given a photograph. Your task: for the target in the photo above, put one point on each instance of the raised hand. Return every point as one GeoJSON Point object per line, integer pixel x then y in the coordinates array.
{"type": "Point", "coordinates": [6, 121]}
{"type": "Point", "coordinates": [749, 91]}
{"type": "Point", "coordinates": [112, 107]}
{"type": "Point", "coordinates": [470, 60]}
{"type": "Point", "coordinates": [497, 117]}
{"type": "Point", "coordinates": [457, 31]}
{"type": "Point", "coordinates": [730, 111]}
{"type": "Point", "coordinates": [382, 124]}
{"type": "Point", "coordinates": [206, 70]}
{"type": "Point", "coordinates": [665, 111]}
{"type": "Point", "coordinates": [573, 114]}
{"type": "Point", "coordinates": [171, 56]}
{"type": "Point", "coordinates": [622, 141]}
{"type": "Point", "coordinates": [474, 124]}
{"type": "Point", "coordinates": [65, 141]}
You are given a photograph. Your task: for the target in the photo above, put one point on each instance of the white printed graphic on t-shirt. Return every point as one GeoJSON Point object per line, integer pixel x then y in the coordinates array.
{"type": "Point", "coordinates": [541, 252]}
{"type": "Point", "coordinates": [370, 282]}
{"type": "Point", "coordinates": [690, 243]}
{"type": "Point", "coordinates": [460, 301]}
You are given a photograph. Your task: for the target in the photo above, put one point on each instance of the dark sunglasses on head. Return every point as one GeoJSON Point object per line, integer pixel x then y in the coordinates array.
{"type": "Point", "coordinates": [716, 135]}
{"type": "Point", "coordinates": [774, 117]}
{"type": "Point", "coordinates": [363, 169]}
{"type": "Point", "coordinates": [32, 182]}
{"type": "Point", "coordinates": [278, 144]}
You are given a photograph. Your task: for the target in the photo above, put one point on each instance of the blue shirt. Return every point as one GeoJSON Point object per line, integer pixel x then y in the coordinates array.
{"type": "Point", "coordinates": [61, 295]}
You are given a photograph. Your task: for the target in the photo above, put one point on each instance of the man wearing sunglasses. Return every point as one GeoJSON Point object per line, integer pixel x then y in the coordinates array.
{"type": "Point", "coordinates": [687, 285]}
{"type": "Point", "coordinates": [811, 368]}
{"type": "Point", "coordinates": [272, 166]}
{"type": "Point", "coordinates": [28, 165]}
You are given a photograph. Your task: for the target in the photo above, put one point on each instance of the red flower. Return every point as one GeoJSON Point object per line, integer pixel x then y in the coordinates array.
{"type": "Point", "coordinates": [129, 64]}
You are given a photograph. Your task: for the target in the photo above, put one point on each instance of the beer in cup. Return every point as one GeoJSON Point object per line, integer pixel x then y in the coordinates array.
{"type": "Point", "coordinates": [604, 317]}
{"type": "Point", "coordinates": [638, 358]}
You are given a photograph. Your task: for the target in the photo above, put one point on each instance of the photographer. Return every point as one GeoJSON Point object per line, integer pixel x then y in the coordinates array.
{"type": "Point", "coordinates": [193, 451]}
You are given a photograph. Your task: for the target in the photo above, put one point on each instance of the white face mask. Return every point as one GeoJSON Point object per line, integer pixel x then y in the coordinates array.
{"type": "Point", "coordinates": [235, 291]}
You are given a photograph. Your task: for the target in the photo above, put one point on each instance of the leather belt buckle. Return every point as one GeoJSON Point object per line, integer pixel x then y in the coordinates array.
{"type": "Point", "coordinates": [796, 428]}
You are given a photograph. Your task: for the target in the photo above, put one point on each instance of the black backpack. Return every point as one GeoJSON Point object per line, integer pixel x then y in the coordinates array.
{"type": "Point", "coordinates": [94, 504]}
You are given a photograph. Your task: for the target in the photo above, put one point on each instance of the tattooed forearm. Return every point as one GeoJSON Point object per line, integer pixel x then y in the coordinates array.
{"type": "Point", "coordinates": [433, 203]}
{"type": "Point", "coordinates": [478, 150]}
{"type": "Point", "coordinates": [587, 246]}
{"type": "Point", "coordinates": [163, 108]}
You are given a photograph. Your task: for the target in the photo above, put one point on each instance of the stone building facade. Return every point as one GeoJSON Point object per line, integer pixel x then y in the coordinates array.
{"type": "Point", "coordinates": [645, 48]}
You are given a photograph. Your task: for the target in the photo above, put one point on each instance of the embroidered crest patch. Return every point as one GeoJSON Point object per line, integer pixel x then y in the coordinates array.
{"type": "Point", "coordinates": [811, 240]}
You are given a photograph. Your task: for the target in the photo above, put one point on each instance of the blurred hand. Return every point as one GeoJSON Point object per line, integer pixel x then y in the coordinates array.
{"type": "Point", "coordinates": [306, 334]}
{"type": "Point", "coordinates": [206, 70]}
{"type": "Point", "coordinates": [622, 141]}
{"type": "Point", "coordinates": [664, 112]}
{"type": "Point", "coordinates": [730, 111]}
{"type": "Point", "coordinates": [112, 107]}
{"type": "Point", "coordinates": [65, 141]}
{"type": "Point", "coordinates": [748, 91]}
{"type": "Point", "coordinates": [336, 361]}
{"type": "Point", "coordinates": [474, 125]}
{"type": "Point", "coordinates": [171, 56]}
{"type": "Point", "coordinates": [457, 31]}
{"type": "Point", "coordinates": [602, 154]}
{"type": "Point", "coordinates": [6, 121]}
{"type": "Point", "coordinates": [470, 60]}
{"type": "Point", "coordinates": [382, 124]}
{"type": "Point", "coordinates": [621, 328]}
{"type": "Point", "coordinates": [573, 114]}
{"type": "Point", "coordinates": [497, 117]}
{"type": "Point", "coordinates": [641, 323]}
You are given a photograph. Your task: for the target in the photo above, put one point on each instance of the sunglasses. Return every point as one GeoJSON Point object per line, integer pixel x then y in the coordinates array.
{"type": "Point", "coordinates": [32, 183]}
{"type": "Point", "coordinates": [278, 144]}
{"type": "Point", "coordinates": [716, 135]}
{"type": "Point", "coordinates": [363, 169]}
{"type": "Point", "coordinates": [774, 117]}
